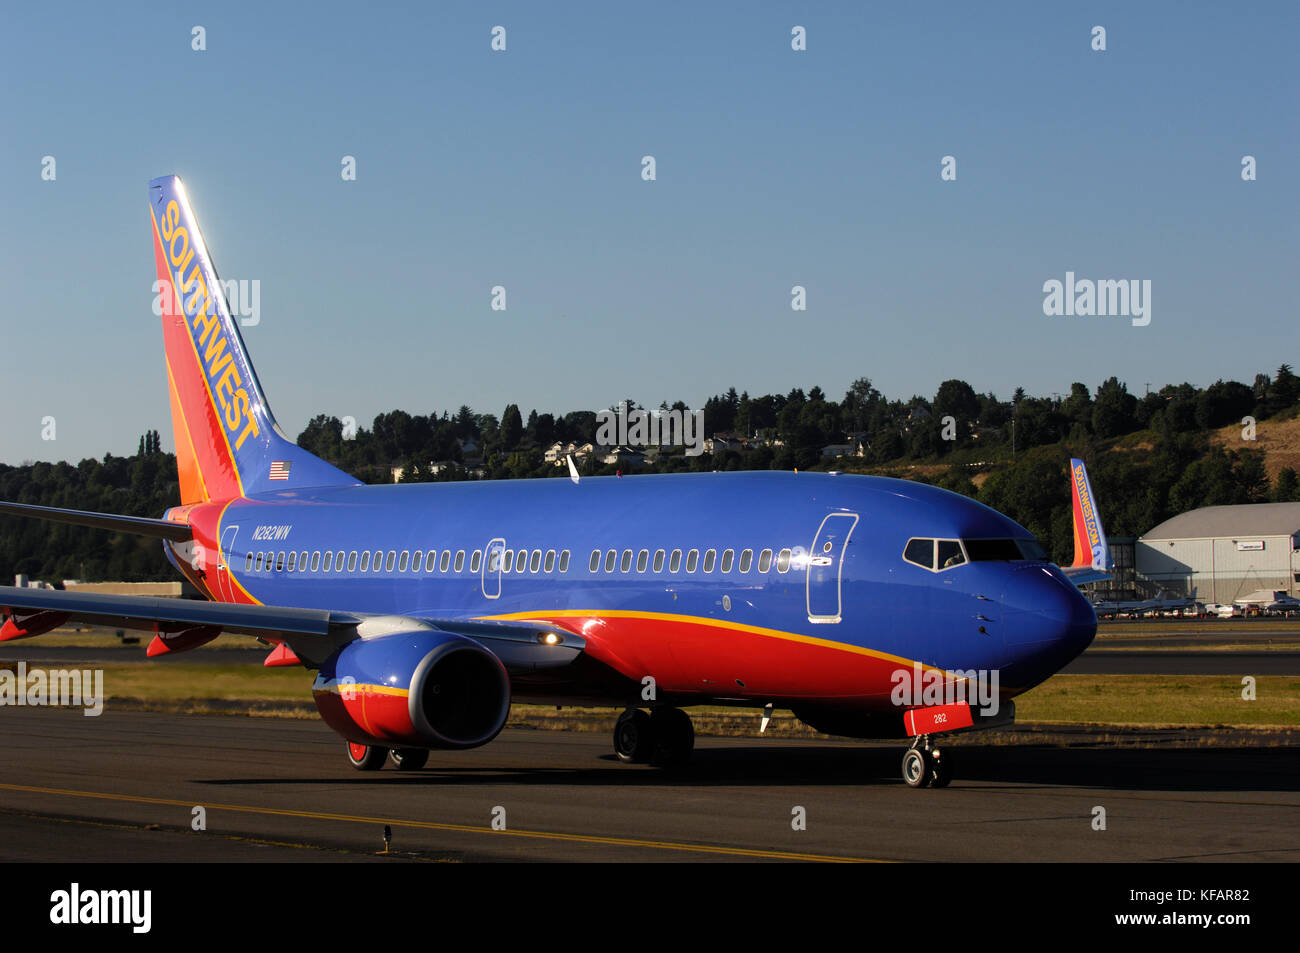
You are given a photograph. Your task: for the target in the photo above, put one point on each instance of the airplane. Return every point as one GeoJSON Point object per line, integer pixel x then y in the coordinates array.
{"type": "Point", "coordinates": [1161, 603]}
{"type": "Point", "coordinates": [1268, 602]}
{"type": "Point", "coordinates": [425, 610]}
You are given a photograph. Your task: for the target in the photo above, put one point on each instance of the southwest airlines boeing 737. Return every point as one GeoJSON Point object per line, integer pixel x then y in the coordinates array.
{"type": "Point", "coordinates": [871, 607]}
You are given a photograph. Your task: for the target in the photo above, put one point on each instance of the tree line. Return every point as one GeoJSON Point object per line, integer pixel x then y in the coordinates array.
{"type": "Point", "coordinates": [1149, 457]}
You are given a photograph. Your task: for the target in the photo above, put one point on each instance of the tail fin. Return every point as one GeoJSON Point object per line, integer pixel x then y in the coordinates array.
{"type": "Point", "coordinates": [227, 442]}
{"type": "Point", "coordinates": [1091, 550]}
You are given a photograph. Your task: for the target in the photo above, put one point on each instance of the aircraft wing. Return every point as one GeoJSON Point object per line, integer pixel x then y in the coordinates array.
{"type": "Point", "coordinates": [312, 634]}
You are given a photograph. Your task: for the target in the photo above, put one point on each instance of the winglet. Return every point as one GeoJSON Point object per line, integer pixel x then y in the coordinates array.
{"type": "Point", "coordinates": [1091, 550]}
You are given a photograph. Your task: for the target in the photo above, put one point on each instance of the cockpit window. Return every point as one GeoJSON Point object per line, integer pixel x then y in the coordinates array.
{"type": "Point", "coordinates": [1032, 549]}
{"type": "Point", "coordinates": [950, 554]}
{"type": "Point", "coordinates": [935, 555]}
{"type": "Point", "coordinates": [1004, 550]}
{"type": "Point", "coordinates": [921, 552]}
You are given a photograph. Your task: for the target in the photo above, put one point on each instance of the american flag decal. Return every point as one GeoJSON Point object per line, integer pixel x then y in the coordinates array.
{"type": "Point", "coordinates": [280, 469]}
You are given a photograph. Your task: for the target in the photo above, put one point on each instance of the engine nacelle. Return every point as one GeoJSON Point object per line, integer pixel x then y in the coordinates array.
{"type": "Point", "coordinates": [424, 689]}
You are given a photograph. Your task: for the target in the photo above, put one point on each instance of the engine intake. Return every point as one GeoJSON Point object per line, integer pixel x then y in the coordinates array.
{"type": "Point", "coordinates": [424, 689]}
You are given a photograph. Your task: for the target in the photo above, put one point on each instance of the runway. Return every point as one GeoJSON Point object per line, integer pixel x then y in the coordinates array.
{"type": "Point", "coordinates": [124, 786]}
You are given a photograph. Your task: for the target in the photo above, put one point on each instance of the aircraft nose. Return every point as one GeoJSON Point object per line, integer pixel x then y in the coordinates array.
{"type": "Point", "coordinates": [1049, 623]}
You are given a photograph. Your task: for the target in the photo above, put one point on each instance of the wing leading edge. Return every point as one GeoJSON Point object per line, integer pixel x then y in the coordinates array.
{"type": "Point", "coordinates": [313, 635]}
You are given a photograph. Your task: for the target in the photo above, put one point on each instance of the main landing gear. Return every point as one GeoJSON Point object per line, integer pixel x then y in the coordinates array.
{"type": "Point", "coordinates": [925, 766]}
{"type": "Point", "coordinates": [372, 757]}
{"type": "Point", "coordinates": [664, 737]}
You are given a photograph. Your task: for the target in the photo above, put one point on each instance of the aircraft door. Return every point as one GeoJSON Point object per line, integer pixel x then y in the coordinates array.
{"type": "Point", "coordinates": [493, 557]}
{"type": "Point", "coordinates": [225, 587]}
{"type": "Point", "coordinates": [826, 567]}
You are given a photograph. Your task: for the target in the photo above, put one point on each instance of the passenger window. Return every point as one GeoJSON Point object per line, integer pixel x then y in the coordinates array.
{"type": "Point", "coordinates": [302, 561]}
{"type": "Point", "coordinates": [626, 564]}
{"type": "Point", "coordinates": [352, 561]}
{"type": "Point", "coordinates": [659, 560]}
{"type": "Point", "coordinates": [402, 561]}
{"type": "Point", "coordinates": [950, 554]}
{"type": "Point", "coordinates": [642, 560]}
{"type": "Point", "coordinates": [293, 561]}
{"type": "Point", "coordinates": [550, 561]}
{"type": "Point", "coordinates": [535, 561]}
{"type": "Point", "coordinates": [259, 562]}
{"type": "Point", "coordinates": [783, 561]}
{"type": "Point", "coordinates": [460, 559]}
{"type": "Point", "coordinates": [746, 559]}
{"type": "Point", "coordinates": [564, 561]}
{"type": "Point", "coordinates": [392, 558]}
{"type": "Point", "coordinates": [315, 561]}
{"type": "Point", "coordinates": [728, 557]}
{"type": "Point", "coordinates": [920, 552]}
{"type": "Point", "coordinates": [476, 560]}
{"type": "Point", "coordinates": [338, 561]}
{"type": "Point", "coordinates": [675, 561]}
{"type": "Point", "coordinates": [417, 561]}
{"type": "Point", "coordinates": [692, 560]}
{"type": "Point", "coordinates": [377, 564]}
{"type": "Point", "coordinates": [329, 561]}
{"type": "Point", "coordinates": [610, 557]}
{"type": "Point", "coordinates": [765, 560]}
{"type": "Point", "coordinates": [279, 562]}
{"type": "Point", "coordinates": [521, 562]}
{"type": "Point", "coordinates": [508, 560]}
{"type": "Point", "coordinates": [709, 558]}
{"type": "Point", "coordinates": [445, 561]}
{"type": "Point", "coordinates": [595, 560]}
{"type": "Point", "coordinates": [365, 561]}
{"type": "Point", "coordinates": [248, 563]}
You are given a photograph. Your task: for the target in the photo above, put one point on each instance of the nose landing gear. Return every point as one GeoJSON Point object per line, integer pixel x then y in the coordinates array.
{"type": "Point", "coordinates": [926, 766]}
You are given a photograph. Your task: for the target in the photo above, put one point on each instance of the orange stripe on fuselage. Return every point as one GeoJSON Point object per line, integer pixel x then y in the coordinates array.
{"type": "Point", "coordinates": [713, 656]}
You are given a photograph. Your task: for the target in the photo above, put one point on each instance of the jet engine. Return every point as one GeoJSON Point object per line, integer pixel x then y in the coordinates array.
{"type": "Point", "coordinates": [424, 689]}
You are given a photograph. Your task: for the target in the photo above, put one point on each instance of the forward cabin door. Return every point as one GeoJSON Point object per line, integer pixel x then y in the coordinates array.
{"type": "Point", "coordinates": [826, 567]}
{"type": "Point", "coordinates": [493, 557]}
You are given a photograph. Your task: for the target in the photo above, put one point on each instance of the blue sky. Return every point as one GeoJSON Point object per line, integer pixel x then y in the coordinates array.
{"type": "Point", "coordinates": [522, 169]}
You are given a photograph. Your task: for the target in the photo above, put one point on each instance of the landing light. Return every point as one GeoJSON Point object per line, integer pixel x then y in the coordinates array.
{"type": "Point", "coordinates": [548, 638]}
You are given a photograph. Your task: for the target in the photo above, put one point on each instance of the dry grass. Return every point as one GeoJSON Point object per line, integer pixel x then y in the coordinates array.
{"type": "Point", "coordinates": [1128, 700]}
{"type": "Point", "coordinates": [1279, 439]}
{"type": "Point", "coordinates": [1195, 700]}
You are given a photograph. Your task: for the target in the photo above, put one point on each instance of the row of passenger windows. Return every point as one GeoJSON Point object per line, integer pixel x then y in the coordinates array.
{"type": "Point", "coordinates": [623, 563]}
{"type": "Point", "coordinates": [508, 560]}
{"type": "Point", "coordinates": [405, 561]}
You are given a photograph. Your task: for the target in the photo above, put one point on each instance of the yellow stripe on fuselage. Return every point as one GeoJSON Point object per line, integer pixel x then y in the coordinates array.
{"type": "Point", "coordinates": [712, 623]}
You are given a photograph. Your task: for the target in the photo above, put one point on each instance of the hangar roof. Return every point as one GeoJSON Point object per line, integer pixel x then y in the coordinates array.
{"type": "Point", "coordinates": [1246, 519]}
